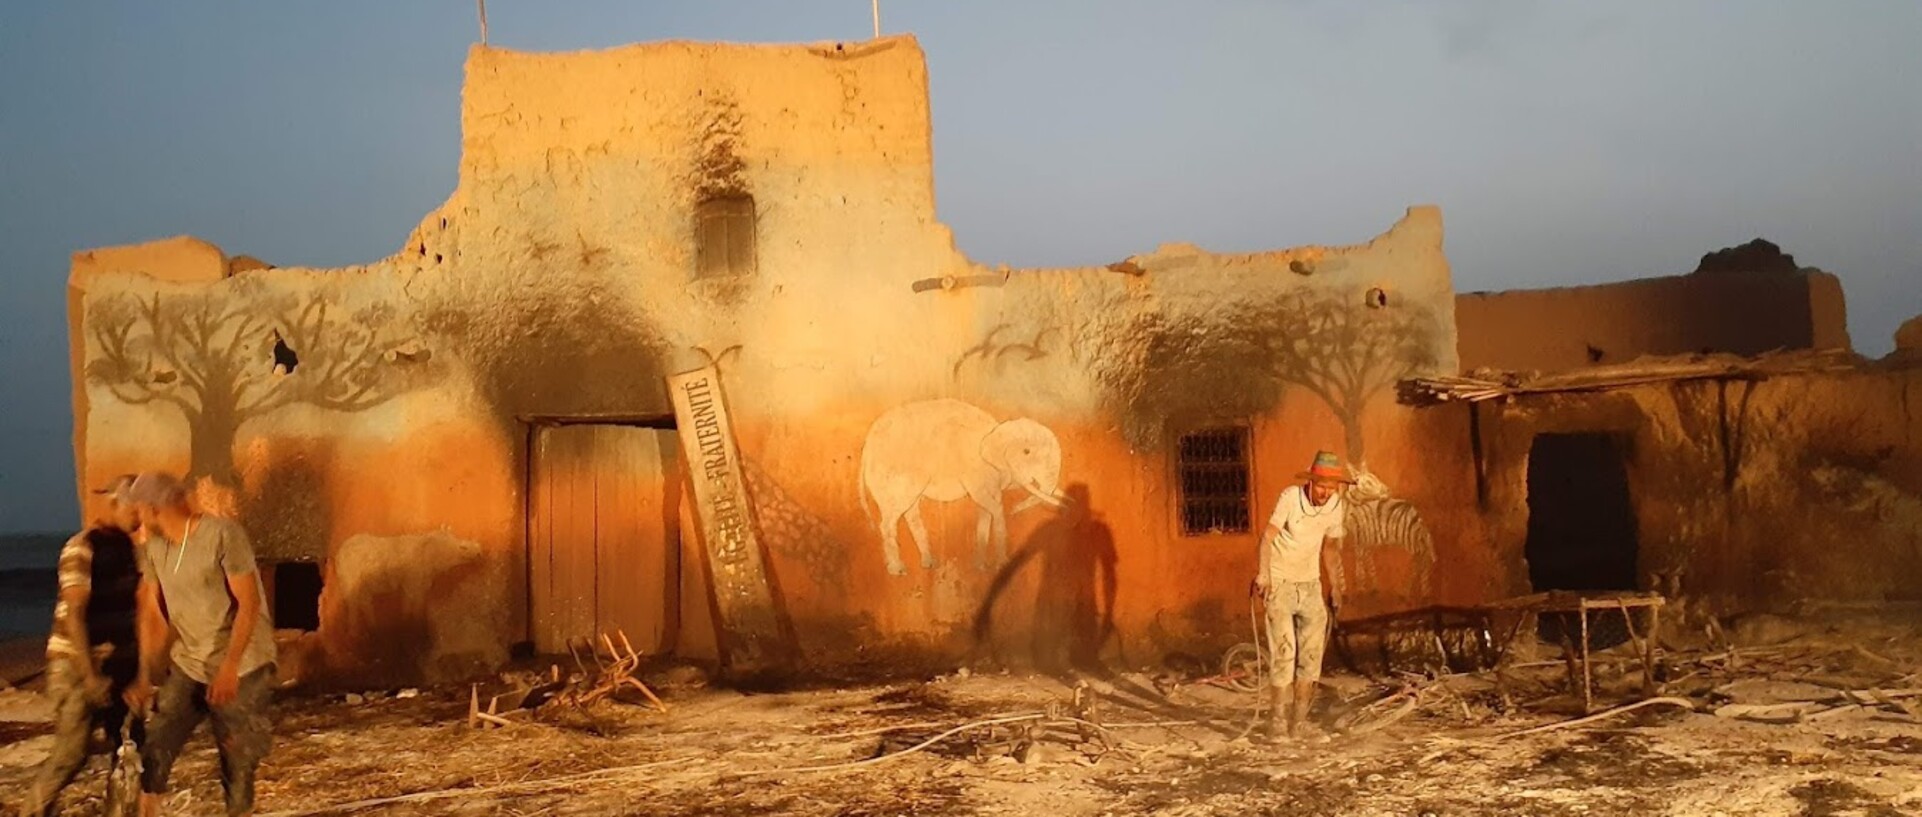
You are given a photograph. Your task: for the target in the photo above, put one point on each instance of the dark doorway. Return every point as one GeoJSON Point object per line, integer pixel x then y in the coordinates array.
{"type": "Point", "coordinates": [1581, 525]}
{"type": "Point", "coordinates": [296, 591]}
{"type": "Point", "coordinates": [1581, 522]}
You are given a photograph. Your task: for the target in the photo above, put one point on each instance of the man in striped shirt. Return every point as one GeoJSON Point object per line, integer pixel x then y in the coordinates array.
{"type": "Point", "coordinates": [91, 655]}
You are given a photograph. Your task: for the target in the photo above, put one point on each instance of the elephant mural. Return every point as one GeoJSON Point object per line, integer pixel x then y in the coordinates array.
{"type": "Point", "coordinates": [944, 450]}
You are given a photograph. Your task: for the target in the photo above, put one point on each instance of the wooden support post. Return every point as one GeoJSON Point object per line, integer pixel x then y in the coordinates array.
{"type": "Point", "coordinates": [1654, 647]}
{"type": "Point", "coordinates": [1588, 698]}
{"type": "Point", "coordinates": [1648, 665]}
{"type": "Point", "coordinates": [1571, 659]}
{"type": "Point", "coordinates": [1506, 655]}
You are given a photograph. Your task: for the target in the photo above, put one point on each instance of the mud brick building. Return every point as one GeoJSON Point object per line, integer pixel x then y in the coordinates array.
{"type": "Point", "coordinates": [471, 445]}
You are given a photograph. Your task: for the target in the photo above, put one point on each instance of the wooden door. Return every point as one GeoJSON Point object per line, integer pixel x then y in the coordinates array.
{"type": "Point", "coordinates": [603, 536]}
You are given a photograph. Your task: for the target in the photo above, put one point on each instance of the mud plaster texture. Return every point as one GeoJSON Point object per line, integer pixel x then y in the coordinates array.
{"type": "Point", "coordinates": [1756, 495]}
{"type": "Point", "coordinates": [1743, 300]}
{"type": "Point", "coordinates": [559, 282]}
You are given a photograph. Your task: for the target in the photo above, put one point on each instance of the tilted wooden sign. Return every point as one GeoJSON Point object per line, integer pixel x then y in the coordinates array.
{"type": "Point", "coordinates": [751, 631]}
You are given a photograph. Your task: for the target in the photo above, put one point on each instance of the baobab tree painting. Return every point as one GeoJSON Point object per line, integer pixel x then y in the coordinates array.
{"type": "Point", "coordinates": [224, 358]}
{"type": "Point", "coordinates": [1345, 346]}
{"type": "Point", "coordinates": [1347, 349]}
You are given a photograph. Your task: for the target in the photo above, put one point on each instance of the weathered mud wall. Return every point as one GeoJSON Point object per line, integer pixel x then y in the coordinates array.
{"type": "Point", "coordinates": [377, 418]}
{"type": "Point", "coordinates": [1742, 301]}
{"type": "Point", "coordinates": [1758, 493]}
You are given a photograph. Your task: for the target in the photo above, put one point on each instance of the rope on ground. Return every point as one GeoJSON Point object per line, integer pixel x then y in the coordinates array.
{"type": "Point", "coordinates": [880, 730]}
{"type": "Point", "coordinates": [898, 755]}
{"type": "Point", "coordinates": [1681, 702]}
{"type": "Point", "coordinates": [1261, 668]}
{"type": "Point", "coordinates": [505, 788]}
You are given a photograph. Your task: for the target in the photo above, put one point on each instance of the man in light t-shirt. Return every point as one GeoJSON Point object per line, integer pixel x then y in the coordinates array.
{"type": "Point", "coordinates": [1294, 548]}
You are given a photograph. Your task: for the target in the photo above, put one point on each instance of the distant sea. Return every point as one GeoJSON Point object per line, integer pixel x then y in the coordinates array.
{"type": "Point", "coordinates": [27, 582]}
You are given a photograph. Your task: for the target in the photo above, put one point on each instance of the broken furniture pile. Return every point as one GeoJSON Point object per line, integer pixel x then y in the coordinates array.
{"type": "Point", "coordinates": [616, 668]}
{"type": "Point", "coordinates": [1813, 673]}
{"type": "Point", "coordinates": [1438, 641]}
{"type": "Point", "coordinates": [1074, 726]}
{"type": "Point", "coordinates": [1578, 642]}
{"type": "Point", "coordinates": [1772, 701]}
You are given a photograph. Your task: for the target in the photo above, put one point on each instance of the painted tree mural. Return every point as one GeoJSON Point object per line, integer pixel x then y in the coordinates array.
{"type": "Point", "coordinates": [1348, 350]}
{"type": "Point", "coordinates": [1345, 346]}
{"type": "Point", "coordinates": [224, 357]}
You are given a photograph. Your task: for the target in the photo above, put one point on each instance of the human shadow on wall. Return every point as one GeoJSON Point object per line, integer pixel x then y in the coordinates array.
{"type": "Point", "coordinates": [286, 514]}
{"type": "Point", "coordinates": [1074, 600]}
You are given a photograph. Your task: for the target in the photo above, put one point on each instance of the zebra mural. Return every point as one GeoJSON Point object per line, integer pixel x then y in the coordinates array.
{"type": "Point", "coordinates": [1380, 522]}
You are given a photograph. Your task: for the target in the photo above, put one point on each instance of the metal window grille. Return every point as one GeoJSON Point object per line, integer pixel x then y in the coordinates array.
{"type": "Point", "coordinates": [1214, 481]}
{"type": "Point", "coordinates": [724, 237]}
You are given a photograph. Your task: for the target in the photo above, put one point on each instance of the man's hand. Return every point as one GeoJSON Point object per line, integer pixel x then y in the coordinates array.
{"type": "Point", "coordinates": [226, 685]}
{"type": "Point", "coordinates": [97, 689]}
{"type": "Point", "coordinates": [1258, 589]}
{"type": "Point", "coordinates": [1334, 606]}
{"type": "Point", "coordinates": [139, 694]}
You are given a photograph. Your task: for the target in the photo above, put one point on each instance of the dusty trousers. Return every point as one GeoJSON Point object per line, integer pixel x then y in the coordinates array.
{"type": "Point", "coordinates": [243, 732]}
{"type": "Point", "coordinates": [1297, 632]}
{"type": "Point", "coordinates": [75, 718]}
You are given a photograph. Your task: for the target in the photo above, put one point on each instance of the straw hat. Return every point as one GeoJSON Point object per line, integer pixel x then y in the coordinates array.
{"type": "Point", "coordinates": [1327, 468]}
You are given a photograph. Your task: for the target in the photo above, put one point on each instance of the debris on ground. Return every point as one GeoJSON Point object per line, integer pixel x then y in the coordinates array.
{"type": "Point", "coordinates": [1408, 742]}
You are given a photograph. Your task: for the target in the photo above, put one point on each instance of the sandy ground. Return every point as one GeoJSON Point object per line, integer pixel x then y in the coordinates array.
{"type": "Point", "coordinates": [724, 752]}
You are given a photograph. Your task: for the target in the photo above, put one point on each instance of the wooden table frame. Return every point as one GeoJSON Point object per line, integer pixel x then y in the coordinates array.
{"type": "Point", "coordinates": [1528, 611]}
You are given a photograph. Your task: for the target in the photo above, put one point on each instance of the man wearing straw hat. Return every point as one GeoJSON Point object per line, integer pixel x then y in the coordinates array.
{"type": "Point", "coordinates": [1295, 548]}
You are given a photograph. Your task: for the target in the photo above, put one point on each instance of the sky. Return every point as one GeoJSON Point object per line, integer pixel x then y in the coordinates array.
{"type": "Point", "coordinates": [1566, 142]}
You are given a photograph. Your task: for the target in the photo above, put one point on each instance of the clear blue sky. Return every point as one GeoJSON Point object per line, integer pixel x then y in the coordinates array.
{"type": "Point", "coordinates": [1566, 142]}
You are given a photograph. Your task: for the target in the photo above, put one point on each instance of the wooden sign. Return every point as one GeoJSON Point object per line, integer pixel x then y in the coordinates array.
{"type": "Point", "coordinates": [752, 637]}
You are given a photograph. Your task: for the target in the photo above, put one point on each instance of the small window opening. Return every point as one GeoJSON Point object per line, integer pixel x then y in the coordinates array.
{"type": "Point", "coordinates": [724, 236]}
{"type": "Point", "coordinates": [284, 357]}
{"type": "Point", "coordinates": [1214, 481]}
{"type": "Point", "coordinates": [296, 595]}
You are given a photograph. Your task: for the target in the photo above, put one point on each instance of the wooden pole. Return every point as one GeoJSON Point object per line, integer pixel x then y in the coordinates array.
{"type": "Point", "coordinates": [876, 5]}
{"type": "Point", "coordinates": [482, 5]}
{"type": "Point", "coordinates": [1588, 698]}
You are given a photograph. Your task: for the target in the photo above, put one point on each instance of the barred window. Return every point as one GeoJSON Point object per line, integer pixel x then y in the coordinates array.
{"type": "Point", "coordinates": [1214, 481]}
{"type": "Point", "coordinates": [724, 236]}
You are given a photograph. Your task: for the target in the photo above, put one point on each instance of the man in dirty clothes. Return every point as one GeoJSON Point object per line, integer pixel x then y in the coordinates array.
{"type": "Point", "coordinates": [91, 655]}
{"type": "Point", "coordinates": [199, 581]}
{"type": "Point", "coordinates": [1295, 548]}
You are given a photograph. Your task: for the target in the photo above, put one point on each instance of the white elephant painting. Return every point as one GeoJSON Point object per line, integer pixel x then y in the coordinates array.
{"type": "Point", "coordinates": [944, 450]}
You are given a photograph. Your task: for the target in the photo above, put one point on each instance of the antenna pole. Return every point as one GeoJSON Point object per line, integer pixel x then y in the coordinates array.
{"type": "Point", "coordinates": [876, 4]}
{"type": "Point", "coordinates": [482, 5]}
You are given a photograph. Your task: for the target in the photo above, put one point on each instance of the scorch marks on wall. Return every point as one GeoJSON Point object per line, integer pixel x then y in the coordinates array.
{"type": "Point", "coordinates": [943, 450]}
{"type": "Point", "coordinates": [222, 359]}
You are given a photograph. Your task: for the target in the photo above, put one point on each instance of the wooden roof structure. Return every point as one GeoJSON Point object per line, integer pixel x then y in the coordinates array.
{"type": "Point", "coordinates": [1492, 384]}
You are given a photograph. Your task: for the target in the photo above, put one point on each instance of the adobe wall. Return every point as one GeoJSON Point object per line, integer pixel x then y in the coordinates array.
{"type": "Point", "coordinates": [1738, 312]}
{"type": "Point", "coordinates": [1759, 494]}
{"type": "Point", "coordinates": [557, 282]}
